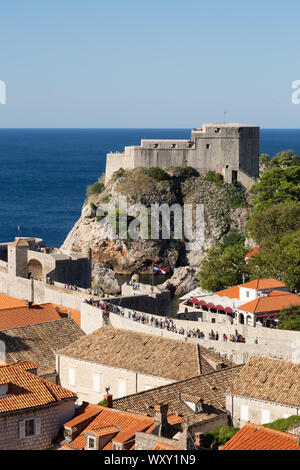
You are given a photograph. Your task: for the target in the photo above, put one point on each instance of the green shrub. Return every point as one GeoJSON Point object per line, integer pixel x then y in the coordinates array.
{"type": "Point", "coordinates": [93, 206]}
{"type": "Point", "coordinates": [214, 177]}
{"type": "Point", "coordinates": [103, 402]}
{"type": "Point", "coordinates": [158, 174]}
{"type": "Point", "coordinates": [95, 188]}
{"type": "Point", "coordinates": [120, 172]}
{"type": "Point", "coordinates": [235, 195]}
{"type": "Point", "coordinates": [233, 239]}
{"type": "Point", "coordinates": [219, 436]}
{"type": "Point", "coordinates": [283, 424]}
{"type": "Point", "coordinates": [188, 172]}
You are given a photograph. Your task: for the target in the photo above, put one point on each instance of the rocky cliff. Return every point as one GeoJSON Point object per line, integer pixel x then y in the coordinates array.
{"type": "Point", "coordinates": [225, 207]}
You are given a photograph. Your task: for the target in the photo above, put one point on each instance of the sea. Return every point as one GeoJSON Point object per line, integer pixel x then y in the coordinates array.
{"type": "Point", "coordinates": [44, 173]}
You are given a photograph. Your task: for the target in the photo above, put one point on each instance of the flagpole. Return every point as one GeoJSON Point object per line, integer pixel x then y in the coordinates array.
{"type": "Point", "coordinates": [152, 273]}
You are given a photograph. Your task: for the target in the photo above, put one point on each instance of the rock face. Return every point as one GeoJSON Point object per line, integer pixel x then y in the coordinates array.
{"type": "Point", "coordinates": [222, 214]}
{"type": "Point", "coordinates": [104, 280]}
{"type": "Point", "coordinates": [184, 280]}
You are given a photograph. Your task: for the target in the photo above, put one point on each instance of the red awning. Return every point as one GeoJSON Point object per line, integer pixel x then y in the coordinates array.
{"type": "Point", "coordinates": [265, 315]}
{"type": "Point", "coordinates": [228, 310]}
{"type": "Point", "coordinates": [210, 305]}
{"type": "Point", "coordinates": [202, 302]}
{"type": "Point", "coordinates": [195, 301]}
{"type": "Point", "coordinates": [220, 307]}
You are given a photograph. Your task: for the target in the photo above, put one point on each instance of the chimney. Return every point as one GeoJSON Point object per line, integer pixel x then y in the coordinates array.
{"type": "Point", "coordinates": [183, 436]}
{"type": "Point", "coordinates": [161, 414]}
{"type": "Point", "coordinates": [109, 398]}
{"type": "Point", "coordinates": [29, 303]}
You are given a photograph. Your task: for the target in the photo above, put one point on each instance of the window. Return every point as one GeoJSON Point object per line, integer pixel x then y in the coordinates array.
{"type": "Point", "coordinates": [265, 416]}
{"type": "Point", "coordinates": [29, 427]}
{"type": "Point", "coordinates": [217, 130]}
{"type": "Point", "coordinates": [173, 146]}
{"type": "Point", "coordinates": [96, 383]}
{"type": "Point", "coordinates": [71, 376]}
{"type": "Point", "coordinates": [155, 146]}
{"type": "Point", "coordinates": [247, 293]}
{"type": "Point", "coordinates": [91, 443]}
{"type": "Point", "coordinates": [122, 388]}
{"type": "Point", "coordinates": [208, 146]}
{"type": "Point", "coordinates": [244, 413]}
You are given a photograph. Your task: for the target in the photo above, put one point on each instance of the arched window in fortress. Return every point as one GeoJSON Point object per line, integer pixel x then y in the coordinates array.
{"type": "Point", "coordinates": [35, 269]}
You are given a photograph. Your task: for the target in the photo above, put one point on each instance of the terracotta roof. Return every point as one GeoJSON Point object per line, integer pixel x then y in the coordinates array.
{"type": "Point", "coordinates": [23, 316]}
{"type": "Point", "coordinates": [232, 292]}
{"type": "Point", "coordinates": [211, 387]}
{"type": "Point", "coordinates": [160, 446]}
{"type": "Point", "coordinates": [273, 303]}
{"type": "Point", "coordinates": [10, 302]}
{"type": "Point", "coordinates": [86, 412]}
{"type": "Point", "coordinates": [26, 390]}
{"type": "Point", "coordinates": [15, 313]}
{"type": "Point", "coordinates": [254, 251]}
{"type": "Point", "coordinates": [105, 430]}
{"type": "Point", "coordinates": [255, 437]}
{"type": "Point", "coordinates": [40, 342]}
{"type": "Point", "coordinates": [259, 284]}
{"type": "Point", "coordinates": [22, 365]}
{"type": "Point", "coordinates": [146, 354]}
{"type": "Point", "coordinates": [75, 314]}
{"type": "Point", "coordinates": [273, 380]}
{"type": "Point", "coordinates": [124, 423]}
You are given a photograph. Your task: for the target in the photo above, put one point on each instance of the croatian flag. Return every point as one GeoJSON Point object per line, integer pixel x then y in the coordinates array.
{"type": "Point", "coordinates": [157, 269]}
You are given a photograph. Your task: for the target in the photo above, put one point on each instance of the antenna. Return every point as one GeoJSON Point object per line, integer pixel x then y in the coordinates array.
{"type": "Point", "coordinates": [225, 112]}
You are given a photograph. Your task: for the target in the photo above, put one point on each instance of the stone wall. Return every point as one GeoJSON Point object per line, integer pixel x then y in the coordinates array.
{"type": "Point", "coordinates": [271, 342]}
{"type": "Point", "coordinates": [221, 148]}
{"type": "Point", "coordinates": [243, 409]}
{"type": "Point", "coordinates": [148, 303]}
{"type": "Point", "coordinates": [52, 419]}
{"type": "Point", "coordinates": [89, 379]}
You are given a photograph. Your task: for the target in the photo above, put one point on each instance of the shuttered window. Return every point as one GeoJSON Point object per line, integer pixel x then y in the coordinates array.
{"type": "Point", "coordinates": [122, 388]}
{"type": "Point", "coordinates": [72, 376]}
{"type": "Point", "coordinates": [96, 383]}
{"type": "Point", "coordinates": [29, 427]}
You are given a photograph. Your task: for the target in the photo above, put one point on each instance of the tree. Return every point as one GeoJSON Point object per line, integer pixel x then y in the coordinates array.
{"type": "Point", "coordinates": [276, 185]}
{"type": "Point", "coordinates": [223, 268]}
{"type": "Point", "coordinates": [265, 160]}
{"type": "Point", "coordinates": [279, 259]}
{"type": "Point", "coordinates": [219, 436]}
{"type": "Point", "coordinates": [285, 158]}
{"type": "Point", "coordinates": [232, 239]}
{"type": "Point", "coordinates": [274, 222]}
{"type": "Point", "coordinates": [289, 318]}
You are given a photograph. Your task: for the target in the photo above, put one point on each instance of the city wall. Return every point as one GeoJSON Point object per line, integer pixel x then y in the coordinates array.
{"type": "Point", "coordinates": [271, 343]}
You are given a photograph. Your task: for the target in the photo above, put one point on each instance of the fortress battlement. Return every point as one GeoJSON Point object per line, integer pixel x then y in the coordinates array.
{"type": "Point", "coordinates": [231, 149]}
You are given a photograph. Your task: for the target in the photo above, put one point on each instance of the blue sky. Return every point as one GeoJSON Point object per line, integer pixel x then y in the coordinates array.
{"type": "Point", "coordinates": [166, 63]}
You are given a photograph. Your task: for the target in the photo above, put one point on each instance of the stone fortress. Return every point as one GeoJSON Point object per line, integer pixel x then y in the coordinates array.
{"type": "Point", "coordinates": [27, 260]}
{"type": "Point", "coordinates": [229, 149]}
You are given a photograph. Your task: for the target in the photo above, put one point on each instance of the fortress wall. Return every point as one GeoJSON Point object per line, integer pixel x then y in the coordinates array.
{"type": "Point", "coordinates": [271, 343]}
{"type": "Point", "coordinates": [114, 161]}
{"type": "Point", "coordinates": [245, 179]}
{"type": "Point", "coordinates": [152, 304]}
{"type": "Point", "coordinates": [63, 298]}
{"type": "Point", "coordinates": [211, 149]}
{"type": "Point", "coordinates": [20, 288]}
{"type": "Point", "coordinates": [162, 158]}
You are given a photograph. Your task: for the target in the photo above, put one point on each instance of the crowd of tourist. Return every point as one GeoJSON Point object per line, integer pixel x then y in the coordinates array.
{"type": "Point", "coordinates": [165, 323]}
